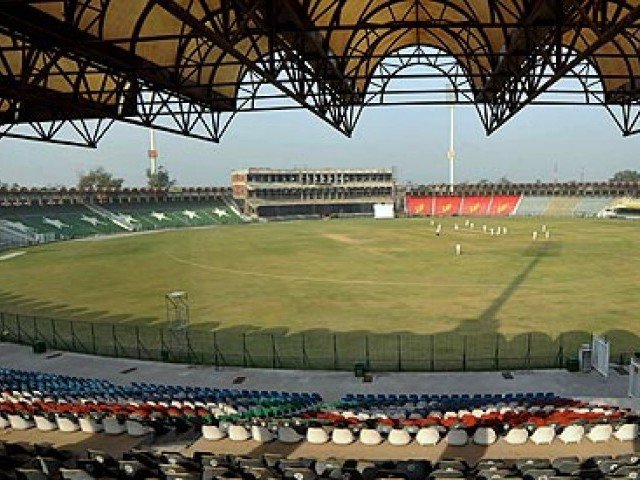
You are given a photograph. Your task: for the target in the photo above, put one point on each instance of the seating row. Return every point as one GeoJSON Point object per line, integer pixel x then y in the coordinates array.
{"type": "Point", "coordinates": [428, 436]}
{"type": "Point", "coordinates": [42, 462]}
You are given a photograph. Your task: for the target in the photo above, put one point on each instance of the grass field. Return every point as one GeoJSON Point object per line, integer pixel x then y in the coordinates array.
{"type": "Point", "coordinates": [346, 275]}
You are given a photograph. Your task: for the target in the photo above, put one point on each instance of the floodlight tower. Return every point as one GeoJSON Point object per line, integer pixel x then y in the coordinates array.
{"type": "Point", "coordinates": [451, 154]}
{"type": "Point", "coordinates": [153, 153]}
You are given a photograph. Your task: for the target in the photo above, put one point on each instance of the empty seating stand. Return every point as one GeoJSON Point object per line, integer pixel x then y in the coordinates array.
{"type": "Point", "coordinates": [531, 206]}
{"type": "Point", "coordinates": [47, 463]}
{"type": "Point", "coordinates": [62, 222]}
{"type": "Point", "coordinates": [591, 206]}
{"type": "Point", "coordinates": [49, 402]}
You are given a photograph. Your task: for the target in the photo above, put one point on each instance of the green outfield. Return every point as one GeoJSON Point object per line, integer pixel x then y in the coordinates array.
{"type": "Point", "coordinates": [346, 275]}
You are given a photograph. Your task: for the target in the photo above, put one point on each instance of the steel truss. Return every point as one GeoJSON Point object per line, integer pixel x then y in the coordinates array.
{"type": "Point", "coordinates": [66, 78]}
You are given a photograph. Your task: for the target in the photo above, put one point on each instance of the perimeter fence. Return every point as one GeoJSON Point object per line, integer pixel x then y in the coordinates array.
{"type": "Point", "coordinates": [310, 350]}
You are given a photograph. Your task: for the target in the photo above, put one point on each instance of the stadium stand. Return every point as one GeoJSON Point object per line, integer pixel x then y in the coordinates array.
{"type": "Point", "coordinates": [50, 402]}
{"type": "Point", "coordinates": [153, 216]}
{"type": "Point", "coordinates": [452, 205]}
{"type": "Point", "coordinates": [447, 206]}
{"type": "Point", "coordinates": [503, 205]}
{"type": "Point", "coordinates": [45, 462]}
{"type": "Point", "coordinates": [475, 205]}
{"type": "Point", "coordinates": [59, 221]}
{"type": "Point", "coordinates": [533, 206]}
{"type": "Point", "coordinates": [62, 222]}
{"type": "Point", "coordinates": [419, 205]}
{"type": "Point", "coordinates": [562, 206]}
{"type": "Point", "coordinates": [591, 206]}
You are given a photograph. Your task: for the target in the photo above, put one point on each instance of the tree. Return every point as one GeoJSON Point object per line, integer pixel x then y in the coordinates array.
{"type": "Point", "coordinates": [98, 178]}
{"type": "Point", "coordinates": [160, 179]}
{"type": "Point", "coordinates": [504, 180]}
{"type": "Point", "coordinates": [626, 176]}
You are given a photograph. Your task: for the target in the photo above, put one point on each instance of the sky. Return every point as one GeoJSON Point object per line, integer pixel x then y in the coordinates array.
{"type": "Point", "coordinates": [414, 140]}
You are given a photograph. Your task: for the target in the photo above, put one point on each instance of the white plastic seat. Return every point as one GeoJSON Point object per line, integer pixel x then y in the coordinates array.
{"type": "Point", "coordinates": [457, 437]}
{"type": "Point", "coordinates": [485, 436]}
{"type": "Point", "coordinates": [136, 428]}
{"type": "Point", "coordinates": [212, 432]}
{"type": "Point", "coordinates": [261, 434]}
{"type": "Point", "coordinates": [66, 424]}
{"type": "Point", "coordinates": [18, 422]}
{"type": "Point", "coordinates": [543, 435]}
{"type": "Point", "coordinates": [90, 425]}
{"type": "Point", "coordinates": [572, 434]}
{"type": "Point", "coordinates": [342, 436]}
{"type": "Point", "coordinates": [317, 435]}
{"type": "Point", "coordinates": [428, 436]}
{"type": "Point", "coordinates": [44, 424]}
{"type": "Point", "coordinates": [238, 433]}
{"type": "Point", "coordinates": [600, 433]}
{"type": "Point", "coordinates": [399, 437]}
{"type": "Point", "coordinates": [369, 436]}
{"type": "Point", "coordinates": [627, 432]}
{"type": "Point", "coordinates": [288, 435]}
{"type": "Point", "coordinates": [112, 426]}
{"type": "Point", "coordinates": [517, 436]}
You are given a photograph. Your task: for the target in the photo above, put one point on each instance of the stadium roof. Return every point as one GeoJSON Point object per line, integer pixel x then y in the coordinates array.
{"type": "Point", "coordinates": [70, 68]}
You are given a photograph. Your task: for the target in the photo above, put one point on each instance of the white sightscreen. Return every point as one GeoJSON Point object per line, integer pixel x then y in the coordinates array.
{"type": "Point", "coordinates": [383, 210]}
{"type": "Point", "coordinates": [600, 355]}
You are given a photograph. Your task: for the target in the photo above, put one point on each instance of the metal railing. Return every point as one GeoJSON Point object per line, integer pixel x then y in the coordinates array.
{"type": "Point", "coordinates": [313, 351]}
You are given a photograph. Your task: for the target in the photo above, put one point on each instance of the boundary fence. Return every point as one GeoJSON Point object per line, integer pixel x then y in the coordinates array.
{"type": "Point", "coordinates": [310, 351]}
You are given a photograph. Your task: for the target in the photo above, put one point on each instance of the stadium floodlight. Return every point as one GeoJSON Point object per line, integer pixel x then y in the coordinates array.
{"type": "Point", "coordinates": [153, 153]}
{"type": "Point", "coordinates": [451, 154]}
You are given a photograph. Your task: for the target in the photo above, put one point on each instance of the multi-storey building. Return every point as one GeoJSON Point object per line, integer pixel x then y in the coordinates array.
{"type": "Point", "coordinates": [268, 192]}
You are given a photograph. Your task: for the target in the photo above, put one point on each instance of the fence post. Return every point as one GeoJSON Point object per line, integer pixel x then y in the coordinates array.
{"type": "Point", "coordinates": [2, 322]}
{"type": "Point", "coordinates": [335, 352]}
{"type": "Point", "coordinates": [433, 353]}
{"type": "Point", "coordinates": [366, 351]}
{"type": "Point", "coordinates": [115, 342]}
{"type": "Point", "coordinates": [273, 351]}
{"type": "Point", "coordinates": [497, 358]}
{"type": "Point", "coordinates": [464, 353]}
{"type": "Point", "coordinates": [560, 356]}
{"type": "Point", "coordinates": [304, 351]}
{"type": "Point", "coordinates": [19, 328]}
{"type": "Point", "coordinates": [399, 345]}
{"type": "Point", "coordinates": [244, 350]}
{"type": "Point", "coordinates": [528, 359]}
{"type": "Point", "coordinates": [54, 337]}
{"type": "Point", "coordinates": [93, 338]}
{"type": "Point", "coordinates": [35, 329]}
{"type": "Point", "coordinates": [73, 336]}
{"type": "Point", "coordinates": [138, 342]}
{"type": "Point", "coordinates": [215, 349]}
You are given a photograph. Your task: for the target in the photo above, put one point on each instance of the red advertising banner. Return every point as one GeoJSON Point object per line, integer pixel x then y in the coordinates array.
{"type": "Point", "coordinates": [475, 206]}
{"type": "Point", "coordinates": [420, 206]}
{"type": "Point", "coordinates": [447, 206]}
{"type": "Point", "coordinates": [504, 204]}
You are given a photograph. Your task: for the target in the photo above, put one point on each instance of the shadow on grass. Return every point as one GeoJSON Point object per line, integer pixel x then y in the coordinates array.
{"type": "Point", "coordinates": [108, 333]}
